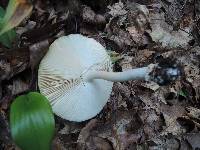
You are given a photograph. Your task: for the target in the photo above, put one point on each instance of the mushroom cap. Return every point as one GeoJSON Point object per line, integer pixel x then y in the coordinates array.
{"type": "Point", "coordinates": [61, 73]}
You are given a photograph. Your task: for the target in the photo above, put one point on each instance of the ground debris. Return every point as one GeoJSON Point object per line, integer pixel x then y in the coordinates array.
{"type": "Point", "coordinates": [139, 115]}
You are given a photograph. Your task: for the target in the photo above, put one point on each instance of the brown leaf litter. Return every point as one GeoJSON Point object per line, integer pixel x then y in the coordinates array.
{"type": "Point", "coordinates": [139, 115]}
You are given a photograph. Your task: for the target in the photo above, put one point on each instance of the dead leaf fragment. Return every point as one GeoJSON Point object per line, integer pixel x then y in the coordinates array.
{"type": "Point", "coordinates": [171, 114]}
{"type": "Point", "coordinates": [163, 33]}
{"type": "Point", "coordinates": [89, 16]}
{"type": "Point", "coordinates": [117, 9]}
{"type": "Point", "coordinates": [37, 52]}
{"type": "Point", "coordinates": [13, 62]}
{"type": "Point", "coordinates": [19, 86]}
{"type": "Point", "coordinates": [193, 139]}
{"type": "Point", "coordinates": [193, 112]}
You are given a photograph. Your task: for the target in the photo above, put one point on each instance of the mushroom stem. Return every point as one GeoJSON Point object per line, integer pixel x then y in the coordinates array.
{"type": "Point", "coordinates": [133, 74]}
{"type": "Point", "coordinates": [162, 75]}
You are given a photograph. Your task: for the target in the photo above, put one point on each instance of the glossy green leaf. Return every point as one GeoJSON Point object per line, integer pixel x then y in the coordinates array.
{"type": "Point", "coordinates": [32, 122]}
{"type": "Point", "coordinates": [7, 38]}
{"type": "Point", "coordinates": [16, 11]}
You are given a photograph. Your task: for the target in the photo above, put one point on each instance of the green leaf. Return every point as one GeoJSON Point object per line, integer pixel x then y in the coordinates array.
{"type": "Point", "coordinates": [32, 122]}
{"type": "Point", "coordinates": [183, 93]}
{"type": "Point", "coordinates": [16, 11]}
{"type": "Point", "coordinates": [2, 12]}
{"type": "Point", "coordinates": [7, 38]}
{"type": "Point", "coordinates": [114, 56]}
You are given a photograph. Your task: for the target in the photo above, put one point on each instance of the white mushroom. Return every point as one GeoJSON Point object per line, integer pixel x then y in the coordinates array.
{"type": "Point", "coordinates": [76, 73]}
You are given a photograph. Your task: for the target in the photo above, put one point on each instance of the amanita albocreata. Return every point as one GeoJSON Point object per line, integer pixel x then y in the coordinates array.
{"type": "Point", "coordinates": [76, 76]}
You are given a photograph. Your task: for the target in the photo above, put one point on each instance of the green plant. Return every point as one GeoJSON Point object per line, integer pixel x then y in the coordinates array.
{"type": "Point", "coordinates": [183, 93]}
{"type": "Point", "coordinates": [6, 38]}
{"type": "Point", "coordinates": [32, 122]}
{"type": "Point", "coordinates": [15, 12]}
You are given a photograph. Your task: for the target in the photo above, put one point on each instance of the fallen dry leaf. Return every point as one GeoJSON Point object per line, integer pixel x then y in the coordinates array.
{"type": "Point", "coordinates": [117, 9]}
{"type": "Point", "coordinates": [163, 33]}
{"type": "Point", "coordinates": [122, 132]}
{"type": "Point", "coordinates": [168, 142]}
{"type": "Point", "coordinates": [37, 52]}
{"type": "Point", "coordinates": [13, 62]}
{"type": "Point", "coordinates": [193, 139]}
{"type": "Point", "coordinates": [91, 17]}
{"type": "Point", "coordinates": [19, 86]}
{"type": "Point", "coordinates": [171, 114]}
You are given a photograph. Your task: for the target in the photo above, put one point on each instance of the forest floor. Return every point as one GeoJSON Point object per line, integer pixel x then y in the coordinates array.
{"type": "Point", "coordinates": [139, 115]}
